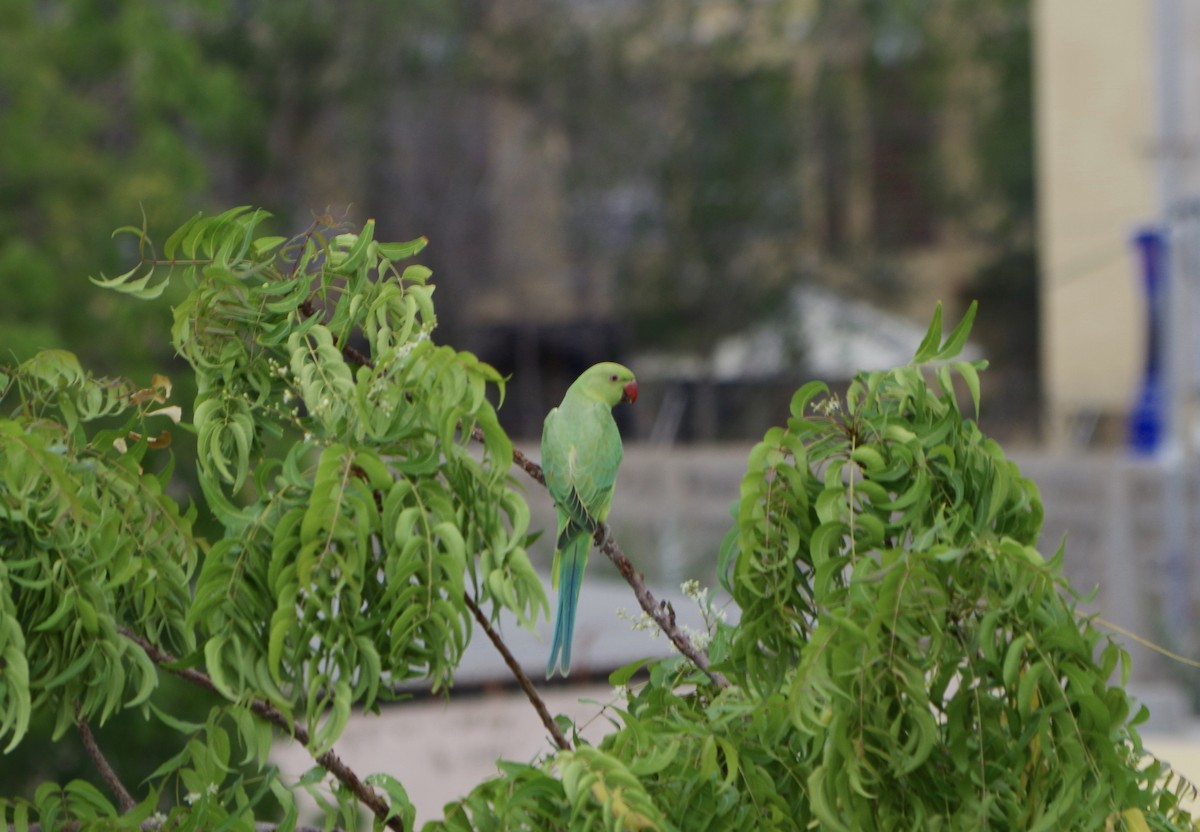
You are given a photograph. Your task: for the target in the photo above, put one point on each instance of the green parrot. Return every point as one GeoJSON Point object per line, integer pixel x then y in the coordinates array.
{"type": "Point", "coordinates": [581, 451]}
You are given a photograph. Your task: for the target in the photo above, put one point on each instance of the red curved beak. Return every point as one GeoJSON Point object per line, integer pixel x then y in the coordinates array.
{"type": "Point", "coordinates": [630, 393]}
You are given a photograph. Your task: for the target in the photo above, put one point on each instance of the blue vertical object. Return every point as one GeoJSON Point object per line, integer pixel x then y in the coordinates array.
{"type": "Point", "coordinates": [1148, 420]}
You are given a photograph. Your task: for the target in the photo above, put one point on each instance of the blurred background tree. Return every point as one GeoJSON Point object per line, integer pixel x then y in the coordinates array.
{"type": "Point", "coordinates": [106, 110]}
{"type": "Point", "coordinates": [655, 150]}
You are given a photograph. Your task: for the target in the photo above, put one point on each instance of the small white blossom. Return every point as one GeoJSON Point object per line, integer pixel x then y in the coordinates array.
{"type": "Point", "coordinates": [692, 589]}
{"type": "Point", "coordinates": [645, 622]}
{"type": "Point", "coordinates": [699, 638]}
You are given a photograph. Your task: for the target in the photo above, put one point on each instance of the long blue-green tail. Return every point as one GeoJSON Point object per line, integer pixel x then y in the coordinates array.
{"type": "Point", "coordinates": [573, 559]}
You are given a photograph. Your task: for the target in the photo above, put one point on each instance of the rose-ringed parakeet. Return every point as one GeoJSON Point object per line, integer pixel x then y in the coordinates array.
{"type": "Point", "coordinates": [581, 451]}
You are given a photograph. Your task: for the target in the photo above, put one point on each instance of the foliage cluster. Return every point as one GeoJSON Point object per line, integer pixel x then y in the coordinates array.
{"type": "Point", "coordinates": [904, 657]}
{"type": "Point", "coordinates": [937, 671]}
{"type": "Point", "coordinates": [358, 525]}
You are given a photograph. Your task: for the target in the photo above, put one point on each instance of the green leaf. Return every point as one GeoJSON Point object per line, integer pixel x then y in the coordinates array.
{"type": "Point", "coordinates": [971, 376]}
{"type": "Point", "coordinates": [928, 348]}
{"type": "Point", "coordinates": [401, 807]}
{"type": "Point", "coordinates": [65, 606]}
{"type": "Point", "coordinates": [87, 801]}
{"type": "Point", "coordinates": [416, 274]}
{"type": "Point", "coordinates": [958, 337]}
{"type": "Point", "coordinates": [1027, 688]}
{"type": "Point", "coordinates": [869, 458]}
{"type": "Point", "coordinates": [802, 397]}
{"type": "Point", "coordinates": [174, 722]}
{"type": "Point", "coordinates": [353, 250]}
{"type": "Point", "coordinates": [1014, 659]}
{"type": "Point", "coordinates": [658, 758]}
{"type": "Point", "coordinates": [128, 284]}
{"type": "Point", "coordinates": [72, 670]}
{"type": "Point", "coordinates": [265, 244]}
{"type": "Point", "coordinates": [400, 251]}
{"type": "Point", "coordinates": [171, 246]}
{"type": "Point", "coordinates": [215, 662]}
{"type": "Point", "coordinates": [624, 673]}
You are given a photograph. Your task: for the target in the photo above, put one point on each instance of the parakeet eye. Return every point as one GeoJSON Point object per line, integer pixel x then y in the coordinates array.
{"type": "Point", "coordinates": [613, 377]}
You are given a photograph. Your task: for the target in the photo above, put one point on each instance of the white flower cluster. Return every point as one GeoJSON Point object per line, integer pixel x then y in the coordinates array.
{"type": "Point", "coordinates": [278, 368]}
{"type": "Point", "coordinates": [191, 797]}
{"type": "Point", "coordinates": [643, 623]}
{"type": "Point", "coordinates": [699, 638]}
{"type": "Point", "coordinates": [691, 588]}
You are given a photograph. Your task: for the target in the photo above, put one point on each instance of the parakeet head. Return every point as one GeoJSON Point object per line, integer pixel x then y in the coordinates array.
{"type": "Point", "coordinates": [610, 383]}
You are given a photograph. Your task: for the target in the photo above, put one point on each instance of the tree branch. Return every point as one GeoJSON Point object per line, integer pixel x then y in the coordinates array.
{"type": "Point", "coordinates": [522, 679]}
{"type": "Point", "coordinates": [328, 761]}
{"type": "Point", "coordinates": [124, 798]}
{"type": "Point", "coordinates": [527, 465]}
{"type": "Point", "coordinates": [660, 611]}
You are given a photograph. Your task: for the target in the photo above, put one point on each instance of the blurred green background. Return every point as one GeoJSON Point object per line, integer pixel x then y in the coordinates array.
{"type": "Point", "coordinates": [596, 178]}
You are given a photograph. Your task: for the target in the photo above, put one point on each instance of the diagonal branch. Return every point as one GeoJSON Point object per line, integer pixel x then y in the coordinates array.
{"type": "Point", "coordinates": [522, 679]}
{"type": "Point", "coordinates": [124, 798]}
{"type": "Point", "coordinates": [660, 611]}
{"type": "Point", "coordinates": [328, 761]}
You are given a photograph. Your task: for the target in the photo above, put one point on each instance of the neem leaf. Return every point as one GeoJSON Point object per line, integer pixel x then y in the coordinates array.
{"type": "Point", "coordinates": [928, 347]}
{"type": "Point", "coordinates": [958, 337]}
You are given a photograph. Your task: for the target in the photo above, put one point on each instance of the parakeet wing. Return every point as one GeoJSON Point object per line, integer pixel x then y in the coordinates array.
{"type": "Point", "coordinates": [582, 491]}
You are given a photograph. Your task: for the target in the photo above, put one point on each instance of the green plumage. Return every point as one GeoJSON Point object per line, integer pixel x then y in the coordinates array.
{"type": "Point", "coordinates": [581, 451]}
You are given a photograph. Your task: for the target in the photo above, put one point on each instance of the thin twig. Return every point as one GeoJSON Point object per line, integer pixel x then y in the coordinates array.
{"type": "Point", "coordinates": [529, 466]}
{"type": "Point", "coordinates": [124, 798]}
{"type": "Point", "coordinates": [522, 679]}
{"type": "Point", "coordinates": [265, 710]}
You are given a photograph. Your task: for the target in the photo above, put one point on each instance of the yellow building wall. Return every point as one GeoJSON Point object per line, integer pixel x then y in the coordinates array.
{"type": "Point", "coordinates": [1095, 121]}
